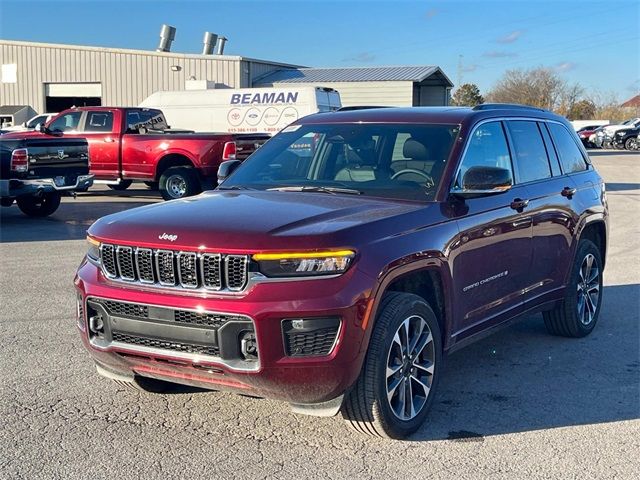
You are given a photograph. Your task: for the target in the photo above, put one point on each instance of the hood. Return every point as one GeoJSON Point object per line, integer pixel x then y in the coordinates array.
{"type": "Point", "coordinates": [250, 221]}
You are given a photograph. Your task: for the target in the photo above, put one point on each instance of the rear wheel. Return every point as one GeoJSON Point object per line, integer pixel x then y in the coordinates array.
{"type": "Point", "coordinates": [179, 182]}
{"type": "Point", "coordinates": [394, 392]}
{"type": "Point", "coordinates": [123, 185]}
{"type": "Point", "coordinates": [578, 313]}
{"type": "Point", "coordinates": [42, 206]}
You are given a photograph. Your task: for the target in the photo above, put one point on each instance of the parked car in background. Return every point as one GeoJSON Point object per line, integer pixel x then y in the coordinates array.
{"type": "Point", "coordinates": [32, 123]}
{"type": "Point", "coordinates": [36, 172]}
{"type": "Point", "coordinates": [591, 124]}
{"type": "Point", "coordinates": [247, 110]}
{"type": "Point", "coordinates": [129, 144]}
{"type": "Point", "coordinates": [631, 123]}
{"type": "Point", "coordinates": [585, 134]}
{"type": "Point", "coordinates": [627, 138]}
{"type": "Point", "coordinates": [336, 267]}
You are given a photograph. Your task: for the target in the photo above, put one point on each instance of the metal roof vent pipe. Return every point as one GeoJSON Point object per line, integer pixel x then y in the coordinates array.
{"type": "Point", "coordinates": [221, 43]}
{"type": "Point", "coordinates": [167, 35]}
{"type": "Point", "coordinates": [209, 41]}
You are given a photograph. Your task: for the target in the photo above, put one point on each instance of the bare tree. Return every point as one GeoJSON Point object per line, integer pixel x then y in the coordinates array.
{"type": "Point", "coordinates": [539, 87]}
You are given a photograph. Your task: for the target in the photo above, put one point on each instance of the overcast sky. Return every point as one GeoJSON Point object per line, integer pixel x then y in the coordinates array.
{"type": "Point", "coordinates": [596, 43]}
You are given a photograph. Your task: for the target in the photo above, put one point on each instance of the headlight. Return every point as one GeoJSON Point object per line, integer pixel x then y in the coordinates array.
{"type": "Point", "coordinates": [302, 264]}
{"type": "Point", "coordinates": [93, 253]}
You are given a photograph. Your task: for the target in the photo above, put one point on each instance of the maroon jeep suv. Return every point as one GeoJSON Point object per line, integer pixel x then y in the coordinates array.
{"type": "Point", "coordinates": [336, 266]}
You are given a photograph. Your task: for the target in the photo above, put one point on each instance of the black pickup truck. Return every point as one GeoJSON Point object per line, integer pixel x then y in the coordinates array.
{"type": "Point", "coordinates": [36, 172]}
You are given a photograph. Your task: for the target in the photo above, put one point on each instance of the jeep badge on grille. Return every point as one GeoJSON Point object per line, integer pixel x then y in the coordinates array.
{"type": "Point", "coordinates": [166, 236]}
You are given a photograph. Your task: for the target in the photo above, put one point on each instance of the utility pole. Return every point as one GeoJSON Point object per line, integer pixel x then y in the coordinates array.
{"type": "Point", "coordinates": [459, 70]}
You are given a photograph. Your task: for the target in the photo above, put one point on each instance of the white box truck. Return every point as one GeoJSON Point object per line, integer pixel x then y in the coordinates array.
{"type": "Point", "coordinates": [245, 110]}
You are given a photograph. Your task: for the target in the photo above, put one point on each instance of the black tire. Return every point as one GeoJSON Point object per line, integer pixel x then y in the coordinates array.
{"type": "Point", "coordinates": [123, 185]}
{"type": "Point", "coordinates": [365, 406]}
{"type": "Point", "coordinates": [631, 144]}
{"type": "Point", "coordinates": [152, 185]}
{"type": "Point", "coordinates": [145, 384]}
{"type": "Point", "coordinates": [179, 182]}
{"type": "Point", "coordinates": [39, 206]}
{"type": "Point", "coordinates": [565, 320]}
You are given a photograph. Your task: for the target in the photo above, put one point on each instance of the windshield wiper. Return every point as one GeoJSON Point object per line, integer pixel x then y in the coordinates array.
{"type": "Point", "coordinates": [316, 188]}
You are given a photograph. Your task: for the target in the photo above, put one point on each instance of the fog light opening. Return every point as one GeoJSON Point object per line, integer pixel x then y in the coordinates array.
{"type": "Point", "coordinates": [96, 325]}
{"type": "Point", "coordinates": [249, 345]}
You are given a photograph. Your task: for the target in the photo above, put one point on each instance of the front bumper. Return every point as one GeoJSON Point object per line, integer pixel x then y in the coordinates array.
{"type": "Point", "coordinates": [274, 374]}
{"type": "Point", "coordinates": [16, 188]}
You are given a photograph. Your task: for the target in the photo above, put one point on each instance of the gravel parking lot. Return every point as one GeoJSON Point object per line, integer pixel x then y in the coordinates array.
{"type": "Point", "coordinates": [519, 404]}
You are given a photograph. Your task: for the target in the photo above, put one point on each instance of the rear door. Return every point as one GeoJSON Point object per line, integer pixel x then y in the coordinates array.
{"type": "Point", "coordinates": [550, 207]}
{"type": "Point", "coordinates": [492, 258]}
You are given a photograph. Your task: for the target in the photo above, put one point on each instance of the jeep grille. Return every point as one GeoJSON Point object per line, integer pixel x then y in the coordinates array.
{"type": "Point", "coordinates": [169, 268]}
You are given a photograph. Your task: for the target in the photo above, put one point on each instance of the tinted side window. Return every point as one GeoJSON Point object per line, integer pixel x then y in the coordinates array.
{"type": "Point", "coordinates": [570, 155]}
{"type": "Point", "coordinates": [99, 122]}
{"type": "Point", "coordinates": [487, 148]}
{"type": "Point", "coordinates": [66, 122]}
{"type": "Point", "coordinates": [531, 159]}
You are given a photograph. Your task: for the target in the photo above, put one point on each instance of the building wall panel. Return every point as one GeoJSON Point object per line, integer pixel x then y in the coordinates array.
{"type": "Point", "coordinates": [127, 76]}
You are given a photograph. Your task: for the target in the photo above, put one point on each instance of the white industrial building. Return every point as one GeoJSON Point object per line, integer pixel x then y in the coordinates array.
{"type": "Point", "coordinates": [51, 77]}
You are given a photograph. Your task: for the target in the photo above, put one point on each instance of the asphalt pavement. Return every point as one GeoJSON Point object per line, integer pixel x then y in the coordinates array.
{"type": "Point", "coordinates": [518, 404]}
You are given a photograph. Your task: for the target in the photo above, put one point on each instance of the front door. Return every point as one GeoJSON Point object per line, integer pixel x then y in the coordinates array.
{"type": "Point", "coordinates": [492, 257]}
{"type": "Point", "coordinates": [104, 145]}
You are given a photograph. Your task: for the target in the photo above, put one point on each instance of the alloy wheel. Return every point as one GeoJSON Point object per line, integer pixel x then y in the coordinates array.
{"type": "Point", "coordinates": [410, 368]}
{"type": "Point", "coordinates": [588, 289]}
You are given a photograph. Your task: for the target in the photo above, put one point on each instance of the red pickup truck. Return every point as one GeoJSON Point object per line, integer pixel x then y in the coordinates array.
{"type": "Point", "coordinates": [127, 144]}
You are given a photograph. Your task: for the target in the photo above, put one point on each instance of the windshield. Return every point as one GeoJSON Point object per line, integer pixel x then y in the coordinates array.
{"type": "Point", "coordinates": [37, 120]}
{"type": "Point", "coordinates": [402, 161]}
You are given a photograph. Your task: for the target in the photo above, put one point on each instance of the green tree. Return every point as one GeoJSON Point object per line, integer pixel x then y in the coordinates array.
{"type": "Point", "coordinates": [468, 95]}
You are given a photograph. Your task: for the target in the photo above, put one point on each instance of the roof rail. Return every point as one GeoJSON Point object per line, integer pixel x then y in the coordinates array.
{"type": "Point", "coordinates": [507, 106]}
{"type": "Point", "coordinates": [360, 107]}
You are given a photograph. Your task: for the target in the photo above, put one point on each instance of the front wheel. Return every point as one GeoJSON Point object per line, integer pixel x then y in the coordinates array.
{"type": "Point", "coordinates": [179, 182]}
{"type": "Point", "coordinates": [395, 389]}
{"type": "Point", "coordinates": [42, 206]}
{"type": "Point", "coordinates": [631, 144]}
{"type": "Point", "coordinates": [578, 313]}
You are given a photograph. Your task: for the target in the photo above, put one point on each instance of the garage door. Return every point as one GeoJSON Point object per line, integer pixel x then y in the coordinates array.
{"type": "Point", "coordinates": [73, 90]}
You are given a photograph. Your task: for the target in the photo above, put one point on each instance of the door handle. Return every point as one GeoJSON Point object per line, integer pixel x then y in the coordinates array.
{"type": "Point", "coordinates": [568, 192]}
{"type": "Point", "coordinates": [519, 204]}
{"type": "Point", "coordinates": [109, 140]}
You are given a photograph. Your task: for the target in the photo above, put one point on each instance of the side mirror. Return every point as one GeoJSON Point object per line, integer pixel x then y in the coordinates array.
{"type": "Point", "coordinates": [479, 181]}
{"type": "Point", "coordinates": [227, 168]}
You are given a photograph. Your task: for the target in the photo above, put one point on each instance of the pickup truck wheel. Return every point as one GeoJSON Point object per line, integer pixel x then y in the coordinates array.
{"type": "Point", "coordinates": [578, 313]}
{"type": "Point", "coordinates": [145, 384]}
{"type": "Point", "coordinates": [395, 389]}
{"type": "Point", "coordinates": [123, 185]}
{"type": "Point", "coordinates": [179, 182]}
{"type": "Point", "coordinates": [39, 206]}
